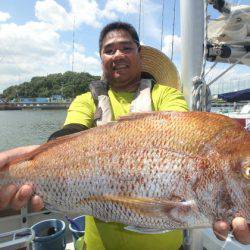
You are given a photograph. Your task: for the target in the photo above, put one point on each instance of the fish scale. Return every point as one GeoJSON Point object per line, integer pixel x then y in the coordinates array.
{"type": "Point", "coordinates": [161, 170]}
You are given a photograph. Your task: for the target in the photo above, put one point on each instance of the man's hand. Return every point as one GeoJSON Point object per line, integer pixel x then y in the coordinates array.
{"type": "Point", "coordinates": [240, 228]}
{"type": "Point", "coordinates": [12, 196]}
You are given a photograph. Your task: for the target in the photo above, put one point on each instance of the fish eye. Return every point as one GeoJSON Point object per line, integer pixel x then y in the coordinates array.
{"type": "Point", "coordinates": [246, 172]}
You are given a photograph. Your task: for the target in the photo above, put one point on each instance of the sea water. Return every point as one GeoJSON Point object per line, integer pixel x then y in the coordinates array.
{"type": "Point", "coordinates": [28, 127]}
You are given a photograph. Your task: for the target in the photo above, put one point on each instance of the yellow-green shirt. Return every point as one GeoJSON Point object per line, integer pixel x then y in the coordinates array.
{"type": "Point", "coordinates": [112, 236]}
{"type": "Point", "coordinates": [82, 109]}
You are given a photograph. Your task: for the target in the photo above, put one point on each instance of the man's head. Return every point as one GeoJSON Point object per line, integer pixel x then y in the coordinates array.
{"type": "Point", "coordinates": [119, 49]}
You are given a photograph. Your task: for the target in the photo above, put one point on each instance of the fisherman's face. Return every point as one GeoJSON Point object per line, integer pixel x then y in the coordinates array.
{"type": "Point", "coordinates": [121, 62]}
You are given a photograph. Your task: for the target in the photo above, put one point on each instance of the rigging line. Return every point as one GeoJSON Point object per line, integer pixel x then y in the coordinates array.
{"type": "Point", "coordinates": [143, 19]}
{"type": "Point", "coordinates": [211, 68]}
{"type": "Point", "coordinates": [126, 13]}
{"type": "Point", "coordinates": [139, 26]}
{"type": "Point", "coordinates": [162, 22]}
{"type": "Point", "coordinates": [224, 72]}
{"type": "Point", "coordinates": [173, 32]}
{"type": "Point", "coordinates": [73, 45]}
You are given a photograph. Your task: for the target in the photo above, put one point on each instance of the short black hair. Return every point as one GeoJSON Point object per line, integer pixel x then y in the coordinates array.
{"type": "Point", "coordinates": [118, 26]}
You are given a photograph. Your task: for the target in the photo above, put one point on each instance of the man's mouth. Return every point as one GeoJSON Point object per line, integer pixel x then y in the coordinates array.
{"type": "Point", "coordinates": [120, 67]}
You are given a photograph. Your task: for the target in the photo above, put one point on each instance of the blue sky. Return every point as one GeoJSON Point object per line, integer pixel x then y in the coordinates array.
{"type": "Point", "coordinates": [36, 36]}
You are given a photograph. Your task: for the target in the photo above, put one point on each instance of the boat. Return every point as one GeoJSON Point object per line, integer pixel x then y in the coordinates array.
{"type": "Point", "coordinates": [241, 115]}
{"type": "Point", "coordinates": [193, 20]}
{"type": "Point", "coordinates": [223, 40]}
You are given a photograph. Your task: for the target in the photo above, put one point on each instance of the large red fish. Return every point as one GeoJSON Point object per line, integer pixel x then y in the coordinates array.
{"type": "Point", "coordinates": [159, 170]}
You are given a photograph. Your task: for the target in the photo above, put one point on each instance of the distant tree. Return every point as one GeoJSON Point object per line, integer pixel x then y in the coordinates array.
{"type": "Point", "coordinates": [68, 84]}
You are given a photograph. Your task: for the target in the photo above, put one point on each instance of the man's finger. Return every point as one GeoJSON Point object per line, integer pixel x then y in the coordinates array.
{"type": "Point", "coordinates": [22, 197]}
{"type": "Point", "coordinates": [37, 203]}
{"type": "Point", "coordinates": [6, 195]}
{"type": "Point", "coordinates": [221, 229]}
{"type": "Point", "coordinates": [241, 230]}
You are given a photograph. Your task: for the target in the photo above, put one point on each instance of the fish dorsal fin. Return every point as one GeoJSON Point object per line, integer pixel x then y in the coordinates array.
{"type": "Point", "coordinates": [44, 147]}
{"type": "Point", "coordinates": [152, 207]}
{"type": "Point", "coordinates": [135, 116]}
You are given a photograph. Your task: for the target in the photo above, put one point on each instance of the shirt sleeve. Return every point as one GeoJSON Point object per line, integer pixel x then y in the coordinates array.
{"type": "Point", "coordinates": [81, 111]}
{"type": "Point", "coordinates": [168, 99]}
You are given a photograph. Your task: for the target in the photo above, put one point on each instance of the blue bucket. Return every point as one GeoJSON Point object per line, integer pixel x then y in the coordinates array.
{"type": "Point", "coordinates": [77, 228]}
{"type": "Point", "coordinates": [49, 235]}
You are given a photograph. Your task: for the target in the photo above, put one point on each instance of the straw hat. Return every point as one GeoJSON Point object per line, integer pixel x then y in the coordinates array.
{"type": "Point", "coordinates": [159, 66]}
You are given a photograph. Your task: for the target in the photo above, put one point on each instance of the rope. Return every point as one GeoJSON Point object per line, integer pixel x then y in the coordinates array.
{"type": "Point", "coordinates": [201, 95]}
{"type": "Point", "coordinates": [173, 31]}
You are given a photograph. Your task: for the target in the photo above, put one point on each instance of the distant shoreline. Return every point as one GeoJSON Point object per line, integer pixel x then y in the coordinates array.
{"type": "Point", "coordinates": [34, 106]}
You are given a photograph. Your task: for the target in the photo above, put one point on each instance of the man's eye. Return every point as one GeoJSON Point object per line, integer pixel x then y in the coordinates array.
{"type": "Point", "coordinates": [109, 51]}
{"type": "Point", "coordinates": [127, 49]}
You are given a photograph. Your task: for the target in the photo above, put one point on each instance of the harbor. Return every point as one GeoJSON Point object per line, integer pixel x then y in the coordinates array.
{"type": "Point", "coordinates": [34, 105]}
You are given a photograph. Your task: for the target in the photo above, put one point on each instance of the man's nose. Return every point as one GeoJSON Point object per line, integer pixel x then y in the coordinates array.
{"type": "Point", "coordinates": [118, 53]}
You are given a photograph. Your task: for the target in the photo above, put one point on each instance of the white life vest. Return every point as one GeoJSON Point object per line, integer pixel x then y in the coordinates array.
{"type": "Point", "coordinates": [103, 114]}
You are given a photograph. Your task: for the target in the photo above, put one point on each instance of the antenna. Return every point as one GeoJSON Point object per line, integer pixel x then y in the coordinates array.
{"type": "Point", "coordinates": [73, 45]}
{"type": "Point", "coordinates": [139, 26]}
{"type": "Point", "coordinates": [172, 45]}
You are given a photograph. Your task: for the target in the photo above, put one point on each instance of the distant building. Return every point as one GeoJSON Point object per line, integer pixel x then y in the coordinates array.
{"type": "Point", "coordinates": [34, 100]}
{"type": "Point", "coordinates": [41, 99]}
{"type": "Point", "coordinates": [56, 98]}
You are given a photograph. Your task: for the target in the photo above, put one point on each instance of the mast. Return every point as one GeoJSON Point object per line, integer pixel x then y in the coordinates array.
{"type": "Point", "coordinates": [192, 38]}
{"type": "Point", "coordinates": [192, 35]}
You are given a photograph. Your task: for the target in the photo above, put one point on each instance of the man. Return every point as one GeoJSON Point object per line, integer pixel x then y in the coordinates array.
{"type": "Point", "coordinates": [121, 57]}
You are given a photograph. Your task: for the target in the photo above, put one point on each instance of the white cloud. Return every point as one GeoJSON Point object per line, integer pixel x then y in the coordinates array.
{"type": "Point", "coordinates": [4, 16]}
{"type": "Point", "coordinates": [85, 11]}
{"type": "Point", "coordinates": [35, 49]}
{"type": "Point", "coordinates": [167, 45]}
{"type": "Point", "coordinates": [49, 11]}
{"type": "Point", "coordinates": [81, 12]}
{"type": "Point", "coordinates": [86, 64]}
{"type": "Point", "coordinates": [125, 7]}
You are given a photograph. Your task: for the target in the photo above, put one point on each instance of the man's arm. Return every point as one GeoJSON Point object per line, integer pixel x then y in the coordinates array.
{"type": "Point", "coordinates": [67, 130]}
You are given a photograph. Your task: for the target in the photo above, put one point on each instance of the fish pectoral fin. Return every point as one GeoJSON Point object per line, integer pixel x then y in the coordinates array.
{"type": "Point", "coordinates": [151, 207]}
{"type": "Point", "coordinates": [143, 230]}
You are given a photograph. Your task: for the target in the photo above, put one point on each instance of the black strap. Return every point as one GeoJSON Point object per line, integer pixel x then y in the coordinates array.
{"type": "Point", "coordinates": [67, 130]}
